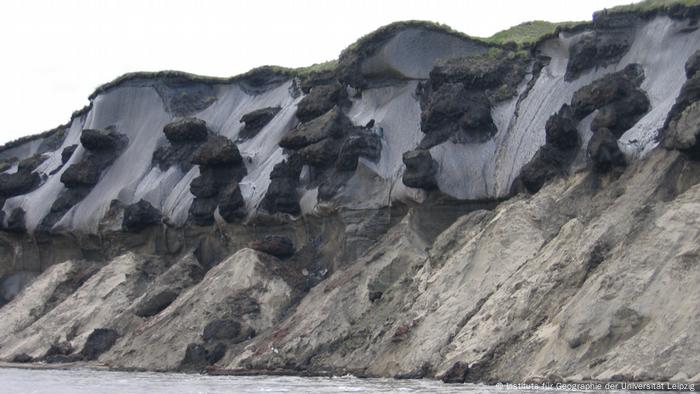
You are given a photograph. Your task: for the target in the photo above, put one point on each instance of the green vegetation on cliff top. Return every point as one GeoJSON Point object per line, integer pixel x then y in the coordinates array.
{"type": "Point", "coordinates": [525, 33]}
{"type": "Point", "coordinates": [652, 5]}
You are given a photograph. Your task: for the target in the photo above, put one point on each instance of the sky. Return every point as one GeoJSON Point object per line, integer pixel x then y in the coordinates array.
{"type": "Point", "coordinates": [55, 53]}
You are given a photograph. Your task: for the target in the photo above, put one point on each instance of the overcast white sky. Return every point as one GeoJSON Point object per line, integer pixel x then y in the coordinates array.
{"type": "Point", "coordinates": [54, 53]}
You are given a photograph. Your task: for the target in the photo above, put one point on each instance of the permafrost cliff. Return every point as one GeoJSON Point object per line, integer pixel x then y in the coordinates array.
{"type": "Point", "coordinates": [432, 206]}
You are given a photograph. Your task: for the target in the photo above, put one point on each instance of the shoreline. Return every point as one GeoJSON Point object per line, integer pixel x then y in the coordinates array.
{"type": "Point", "coordinates": [564, 385]}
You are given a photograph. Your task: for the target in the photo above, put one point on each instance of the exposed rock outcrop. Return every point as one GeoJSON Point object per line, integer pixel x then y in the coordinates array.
{"type": "Point", "coordinates": [619, 103]}
{"type": "Point", "coordinates": [332, 146]}
{"type": "Point", "coordinates": [216, 298]}
{"type": "Point", "coordinates": [420, 170]}
{"type": "Point", "coordinates": [604, 151]}
{"type": "Point", "coordinates": [97, 303]}
{"type": "Point", "coordinates": [281, 195]}
{"type": "Point", "coordinates": [99, 341]}
{"type": "Point", "coordinates": [554, 157]}
{"type": "Point", "coordinates": [140, 215]}
{"type": "Point", "coordinates": [182, 275]}
{"type": "Point", "coordinates": [102, 147]}
{"type": "Point", "coordinates": [99, 140]}
{"type": "Point", "coordinates": [368, 228]}
{"type": "Point", "coordinates": [18, 183]}
{"type": "Point", "coordinates": [331, 124]}
{"type": "Point", "coordinates": [598, 48]}
{"type": "Point", "coordinates": [217, 151]}
{"type": "Point", "coordinates": [231, 203]}
{"type": "Point", "coordinates": [320, 100]}
{"type": "Point", "coordinates": [276, 245]}
{"type": "Point", "coordinates": [67, 153]}
{"type": "Point", "coordinates": [228, 330]}
{"type": "Point", "coordinates": [15, 222]}
{"type": "Point", "coordinates": [617, 97]}
{"type": "Point", "coordinates": [184, 136]}
{"type": "Point", "coordinates": [682, 130]}
{"type": "Point", "coordinates": [256, 120]}
{"type": "Point", "coordinates": [31, 163]}
{"type": "Point", "coordinates": [221, 168]}
{"type": "Point", "coordinates": [186, 130]}
{"type": "Point", "coordinates": [85, 173]}
{"type": "Point", "coordinates": [365, 144]}
{"type": "Point", "coordinates": [456, 102]}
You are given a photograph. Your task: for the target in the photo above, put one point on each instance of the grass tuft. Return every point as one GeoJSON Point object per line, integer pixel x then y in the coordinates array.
{"type": "Point", "coordinates": [653, 5]}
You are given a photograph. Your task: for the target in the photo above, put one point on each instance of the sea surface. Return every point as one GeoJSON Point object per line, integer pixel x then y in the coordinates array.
{"type": "Point", "coordinates": [55, 381]}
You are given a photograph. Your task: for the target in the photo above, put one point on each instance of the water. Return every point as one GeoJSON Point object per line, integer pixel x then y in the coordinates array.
{"type": "Point", "coordinates": [35, 381]}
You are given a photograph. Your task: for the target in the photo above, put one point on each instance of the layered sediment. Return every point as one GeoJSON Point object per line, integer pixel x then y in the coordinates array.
{"type": "Point", "coordinates": [434, 205]}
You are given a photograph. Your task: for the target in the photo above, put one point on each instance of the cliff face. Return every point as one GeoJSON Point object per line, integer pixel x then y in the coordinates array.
{"type": "Point", "coordinates": [434, 205]}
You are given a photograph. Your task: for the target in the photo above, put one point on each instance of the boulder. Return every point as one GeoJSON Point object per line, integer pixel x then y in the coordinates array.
{"type": "Point", "coordinates": [231, 203]}
{"type": "Point", "coordinates": [59, 349]}
{"type": "Point", "coordinates": [606, 90]}
{"type": "Point", "coordinates": [217, 151]}
{"type": "Point", "coordinates": [97, 139]}
{"type": "Point", "coordinates": [457, 373]}
{"type": "Point", "coordinates": [16, 221]}
{"type": "Point", "coordinates": [83, 173]}
{"type": "Point", "coordinates": [604, 151]}
{"type": "Point", "coordinates": [202, 211]}
{"type": "Point", "coordinates": [321, 154]}
{"type": "Point", "coordinates": [444, 107]}
{"type": "Point", "coordinates": [281, 194]}
{"type": "Point", "coordinates": [155, 303]}
{"type": "Point", "coordinates": [5, 165]}
{"type": "Point", "coordinates": [561, 131]}
{"type": "Point", "coordinates": [692, 65]}
{"type": "Point", "coordinates": [690, 93]}
{"type": "Point", "coordinates": [420, 170]}
{"type": "Point", "coordinates": [256, 120]}
{"type": "Point", "coordinates": [18, 183]}
{"type": "Point", "coordinates": [275, 245]}
{"type": "Point", "coordinates": [683, 133]}
{"type": "Point", "coordinates": [595, 49]}
{"type": "Point", "coordinates": [22, 358]}
{"type": "Point", "coordinates": [221, 330]}
{"type": "Point", "coordinates": [214, 179]}
{"type": "Point", "coordinates": [455, 113]}
{"type": "Point", "coordinates": [215, 353]}
{"type": "Point", "coordinates": [476, 124]}
{"type": "Point", "coordinates": [67, 153]}
{"type": "Point", "coordinates": [333, 124]}
{"type": "Point", "coordinates": [206, 185]}
{"type": "Point", "coordinates": [65, 201]}
{"type": "Point", "coordinates": [553, 158]}
{"type": "Point", "coordinates": [198, 357]}
{"type": "Point", "coordinates": [322, 76]}
{"type": "Point", "coordinates": [31, 163]}
{"type": "Point", "coordinates": [365, 143]}
{"type": "Point", "coordinates": [195, 357]}
{"type": "Point", "coordinates": [681, 130]}
{"type": "Point", "coordinates": [621, 115]}
{"type": "Point", "coordinates": [186, 130]}
{"type": "Point", "coordinates": [320, 100]}
{"type": "Point", "coordinates": [375, 296]}
{"type": "Point", "coordinates": [497, 70]}
{"type": "Point", "coordinates": [140, 215]}
{"type": "Point", "coordinates": [547, 163]}
{"type": "Point", "coordinates": [99, 341]}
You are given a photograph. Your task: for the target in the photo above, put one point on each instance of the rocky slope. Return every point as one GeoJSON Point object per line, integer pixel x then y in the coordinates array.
{"type": "Point", "coordinates": [432, 206]}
